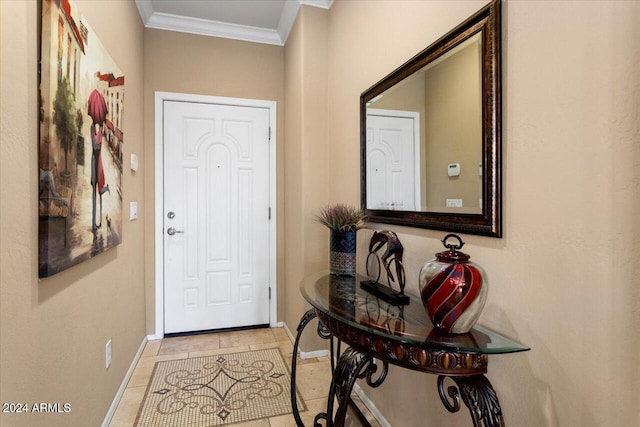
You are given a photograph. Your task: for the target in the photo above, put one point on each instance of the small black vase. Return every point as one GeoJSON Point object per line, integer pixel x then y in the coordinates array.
{"type": "Point", "coordinates": [342, 253]}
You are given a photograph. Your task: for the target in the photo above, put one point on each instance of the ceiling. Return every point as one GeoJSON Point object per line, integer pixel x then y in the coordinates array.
{"type": "Point", "coordinates": [260, 21]}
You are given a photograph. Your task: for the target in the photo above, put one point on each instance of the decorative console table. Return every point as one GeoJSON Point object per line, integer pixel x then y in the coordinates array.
{"type": "Point", "coordinates": [380, 333]}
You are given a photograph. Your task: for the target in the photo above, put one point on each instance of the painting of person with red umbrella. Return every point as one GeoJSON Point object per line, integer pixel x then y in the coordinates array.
{"type": "Point", "coordinates": [80, 143]}
{"type": "Point", "coordinates": [97, 110]}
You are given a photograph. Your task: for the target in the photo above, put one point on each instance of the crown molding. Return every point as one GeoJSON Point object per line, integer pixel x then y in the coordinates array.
{"type": "Point", "coordinates": [205, 27]}
{"type": "Point", "coordinates": [164, 21]}
{"type": "Point", "coordinates": [322, 4]}
{"type": "Point", "coordinates": [146, 10]}
{"type": "Point", "coordinates": [287, 18]}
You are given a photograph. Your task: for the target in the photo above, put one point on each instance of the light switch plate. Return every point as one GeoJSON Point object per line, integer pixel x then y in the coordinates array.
{"type": "Point", "coordinates": [107, 354]}
{"type": "Point", "coordinates": [134, 162]}
{"type": "Point", "coordinates": [454, 203]}
{"type": "Point", "coordinates": [133, 210]}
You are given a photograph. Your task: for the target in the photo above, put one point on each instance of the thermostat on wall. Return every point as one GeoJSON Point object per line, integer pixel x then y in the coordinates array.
{"type": "Point", "coordinates": [453, 169]}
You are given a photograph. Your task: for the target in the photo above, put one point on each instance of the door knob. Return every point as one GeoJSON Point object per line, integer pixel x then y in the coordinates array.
{"type": "Point", "coordinates": [171, 231]}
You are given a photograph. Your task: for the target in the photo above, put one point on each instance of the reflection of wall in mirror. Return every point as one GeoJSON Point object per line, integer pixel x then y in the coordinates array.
{"type": "Point", "coordinates": [453, 129]}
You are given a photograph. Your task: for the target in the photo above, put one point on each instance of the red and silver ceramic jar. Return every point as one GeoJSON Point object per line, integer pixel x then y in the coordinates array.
{"type": "Point", "coordinates": [453, 289]}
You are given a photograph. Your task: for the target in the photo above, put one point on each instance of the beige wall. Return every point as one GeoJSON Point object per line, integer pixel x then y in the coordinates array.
{"type": "Point", "coordinates": [53, 331]}
{"type": "Point", "coordinates": [306, 159]}
{"type": "Point", "coordinates": [453, 126]}
{"type": "Point", "coordinates": [187, 63]}
{"type": "Point", "coordinates": [563, 280]}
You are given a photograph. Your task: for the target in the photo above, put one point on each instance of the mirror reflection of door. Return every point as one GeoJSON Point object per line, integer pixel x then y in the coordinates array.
{"type": "Point", "coordinates": [446, 96]}
{"type": "Point", "coordinates": [393, 160]}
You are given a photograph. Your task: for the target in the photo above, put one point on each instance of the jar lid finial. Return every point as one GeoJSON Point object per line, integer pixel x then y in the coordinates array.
{"type": "Point", "coordinates": [453, 254]}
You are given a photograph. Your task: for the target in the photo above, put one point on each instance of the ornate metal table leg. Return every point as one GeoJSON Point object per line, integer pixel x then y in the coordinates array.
{"type": "Point", "coordinates": [479, 396]}
{"type": "Point", "coordinates": [324, 333]}
{"type": "Point", "coordinates": [306, 318]}
{"type": "Point", "coordinates": [352, 365]}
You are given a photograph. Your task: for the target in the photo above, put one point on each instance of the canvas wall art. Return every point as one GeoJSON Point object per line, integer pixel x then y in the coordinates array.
{"type": "Point", "coordinates": [80, 142]}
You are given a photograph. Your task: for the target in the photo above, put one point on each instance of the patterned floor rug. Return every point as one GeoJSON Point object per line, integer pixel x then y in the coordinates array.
{"type": "Point", "coordinates": [217, 390]}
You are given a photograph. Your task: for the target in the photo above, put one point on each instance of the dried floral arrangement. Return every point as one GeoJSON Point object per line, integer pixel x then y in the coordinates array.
{"type": "Point", "coordinates": [341, 217]}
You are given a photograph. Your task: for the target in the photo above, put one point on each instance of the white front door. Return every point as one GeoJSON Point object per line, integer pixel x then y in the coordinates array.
{"type": "Point", "coordinates": [216, 216]}
{"type": "Point", "coordinates": [393, 160]}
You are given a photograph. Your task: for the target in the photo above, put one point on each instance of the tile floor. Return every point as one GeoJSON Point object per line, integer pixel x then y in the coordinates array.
{"type": "Point", "coordinates": [313, 375]}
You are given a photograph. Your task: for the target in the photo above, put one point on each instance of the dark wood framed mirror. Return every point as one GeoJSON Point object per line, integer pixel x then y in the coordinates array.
{"type": "Point", "coordinates": [430, 134]}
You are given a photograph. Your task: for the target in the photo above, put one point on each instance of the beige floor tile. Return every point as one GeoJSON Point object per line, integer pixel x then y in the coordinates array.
{"type": "Point", "coordinates": [286, 348]}
{"type": "Point", "coordinates": [142, 374]}
{"type": "Point", "coordinates": [281, 335]}
{"type": "Point", "coordinates": [151, 349]}
{"type": "Point", "coordinates": [218, 351]}
{"type": "Point", "coordinates": [190, 343]}
{"type": "Point", "coordinates": [303, 361]}
{"type": "Point", "coordinates": [256, 423]}
{"type": "Point", "coordinates": [242, 338]}
{"type": "Point", "coordinates": [150, 361]}
{"type": "Point", "coordinates": [313, 379]}
{"type": "Point", "coordinates": [128, 407]}
{"type": "Point", "coordinates": [314, 406]}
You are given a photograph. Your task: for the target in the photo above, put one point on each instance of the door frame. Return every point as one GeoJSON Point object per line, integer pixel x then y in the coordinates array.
{"type": "Point", "coordinates": [160, 98]}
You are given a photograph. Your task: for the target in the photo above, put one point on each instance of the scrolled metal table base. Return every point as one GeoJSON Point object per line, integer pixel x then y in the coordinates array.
{"type": "Point", "coordinates": [476, 390]}
{"type": "Point", "coordinates": [477, 394]}
{"type": "Point", "coordinates": [351, 365]}
{"type": "Point", "coordinates": [306, 318]}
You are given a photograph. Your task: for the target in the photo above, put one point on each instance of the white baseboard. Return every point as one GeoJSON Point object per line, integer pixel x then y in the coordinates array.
{"type": "Point", "coordinates": [312, 354]}
{"type": "Point", "coordinates": [123, 386]}
{"type": "Point", "coordinates": [305, 354]}
{"type": "Point", "coordinates": [291, 336]}
{"type": "Point", "coordinates": [370, 406]}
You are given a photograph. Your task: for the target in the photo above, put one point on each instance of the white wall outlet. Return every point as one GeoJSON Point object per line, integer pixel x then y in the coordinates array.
{"type": "Point", "coordinates": [107, 354]}
{"type": "Point", "coordinates": [133, 211]}
{"type": "Point", "coordinates": [454, 203]}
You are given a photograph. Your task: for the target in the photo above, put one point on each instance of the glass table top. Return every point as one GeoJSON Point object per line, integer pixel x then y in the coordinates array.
{"type": "Point", "coordinates": [342, 298]}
